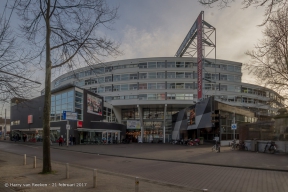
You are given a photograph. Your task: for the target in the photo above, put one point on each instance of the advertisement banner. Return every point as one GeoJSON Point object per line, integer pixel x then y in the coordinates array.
{"type": "Point", "coordinates": [94, 105]}
{"type": "Point", "coordinates": [133, 124]}
{"type": "Point", "coordinates": [191, 114]}
{"type": "Point", "coordinates": [199, 55]}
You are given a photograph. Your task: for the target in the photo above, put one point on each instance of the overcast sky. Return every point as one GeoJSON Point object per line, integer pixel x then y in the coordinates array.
{"type": "Point", "coordinates": [156, 28]}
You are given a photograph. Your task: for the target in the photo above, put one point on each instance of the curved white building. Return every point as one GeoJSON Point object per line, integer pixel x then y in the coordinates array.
{"type": "Point", "coordinates": [145, 89]}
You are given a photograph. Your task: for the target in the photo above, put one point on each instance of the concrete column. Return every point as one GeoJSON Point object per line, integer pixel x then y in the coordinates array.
{"type": "Point", "coordinates": [117, 112]}
{"type": "Point", "coordinates": [141, 122]}
{"type": "Point", "coordinates": [164, 126]}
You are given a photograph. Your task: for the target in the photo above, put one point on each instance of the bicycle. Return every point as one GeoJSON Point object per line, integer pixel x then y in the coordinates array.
{"type": "Point", "coordinates": [216, 147]}
{"type": "Point", "coordinates": [234, 145]}
{"type": "Point", "coordinates": [242, 146]}
{"type": "Point", "coordinates": [272, 148]}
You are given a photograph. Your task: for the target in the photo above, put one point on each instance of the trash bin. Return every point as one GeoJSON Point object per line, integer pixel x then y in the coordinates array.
{"type": "Point", "coordinates": [254, 146]}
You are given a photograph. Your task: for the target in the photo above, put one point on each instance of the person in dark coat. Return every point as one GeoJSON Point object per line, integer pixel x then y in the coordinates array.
{"type": "Point", "coordinates": [71, 140]}
{"type": "Point", "coordinates": [74, 140]}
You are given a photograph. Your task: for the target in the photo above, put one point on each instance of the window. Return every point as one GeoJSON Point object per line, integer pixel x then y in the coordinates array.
{"type": "Point", "coordinates": [152, 75]}
{"type": "Point", "coordinates": [142, 97]}
{"type": "Point", "coordinates": [108, 88]}
{"type": "Point", "coordinates": [101, 80]}
{"type": "Point", "coordinates": [223, 87]}
{"type": "Point", "coordinates": [151, 96]}
{"type": "Point", "coordinates": [180, 75]}
{"type": "Point", "coordinates": [116, 87]}
{"type": "Point", "coordinates": [108, 69]}
{"type": "Point", "coordinates": [188, 96]}
{"type": "Point", "coordinates": [215, 76]}
{"type": "Point", "coordinates": [101, 89]}
{"type": "Point", "coordinates": [142, 65]}
{"type": "Point", "coordinates": [188, 64]}
{"type": "Point", "coordinates": [171, 96]}
{"type": "Point", "coordinates": [124, 87]}
{"type": "Point", "coordinates": [230, 77]}
{"type": "Point", "coordinates": [170, 85]}
{"type": "Point", "coordinates": [237, 78]}
{"type": "Point", "coordinates": [161, 64]}
{"type": "Point", "coordinates": [230, 68]}
{"type": "Point", "coordinates": [94, 90]}
{"type": "Point", "coordinates": [108, 78]}
{"type": "Point", "coordinates": [188, 75]}
{"type": "Point", "coordinates": [223, 77]}
{"type": "Point", "coordinates": [116, 78]}
{"type": "Point", "coordinates": [170, 64]}
{"type": "Point", "coordinates": [207, 86]}
{"type": "Point", "coordinates": [142, 85]}
{"type": "Point", "coordinates": [188, 85]}
{"type": "Point", "coordinates": [231, 88]}
{"type": "Point", "coordinates": [142, 75]}
{"type": "Point", "coordinates": [125, 77]}
{"type": "Point", "coordinates": [133, 87]}
{"type": "Point", "coordinates": [179, 85]}
{"type": "Point", "coordinates": [180, 96]}
{"type": "Point", "coordinates": [237, 68]}
{"type": "Point", "coordinates": [151, 85]}
{"type": "Point", "coordinates": [224, 67]}
{"type": "Point", "coordinates": [180, 64]}
{"type": "Point", "coordinates": [152, 65]}
{"type": "Point", "coordinates": [170, 75]}
{"type": "Point", "coordinates": [134, 76]}
{"type": "Point", "coordinates": [160, 85]}
{"type": "Point", "coordinates": [161, 75]}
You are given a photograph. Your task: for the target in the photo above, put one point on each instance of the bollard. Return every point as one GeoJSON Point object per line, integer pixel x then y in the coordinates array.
{"type": "Point", "coordinates": [24, 159]}
{"type": "Point", "coordinates": [94, 178]}
{"type": "Point", "coordinates": [136, 184]}
{"type": "Point", "coordinates": [67, 170]}
{"type": "Point", "coordinates": [34, 166]}
{"type": "Point", "coordinates": [205, 190]}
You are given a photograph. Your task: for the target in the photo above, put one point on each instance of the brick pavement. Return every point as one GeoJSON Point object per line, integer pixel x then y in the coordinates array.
{"type": "Point", "coordinates": [14, 172]}
{"type": "Point", "coordinates": [190, 154]}
{"type": "Point", "coordinates": [215, 178]}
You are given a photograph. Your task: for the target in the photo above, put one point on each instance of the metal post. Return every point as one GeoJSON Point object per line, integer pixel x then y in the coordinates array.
{"type": "Point", "coordinates": [24, 159]}
{"type": "Point", "coordinates": [94, 178]}
{"type": "Point", "coordinates": [136, 184]}
{"type": "Point", "coordinates": [67, 170]}
{"type": "Point", "coordinates": [34, 165]}
{"type": "Point", "coordinates": [67, 136]}
{"type": "Point", "coordinates": [5, 127]}
{"type": "Point", "coordinates": [234, 123]}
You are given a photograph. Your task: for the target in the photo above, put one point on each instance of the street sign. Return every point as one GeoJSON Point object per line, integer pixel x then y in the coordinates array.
{"type": "Point", "coordinates": [68, 127]}
{"type": "Point", "coordinates": [233, 126]}
{"type": "Point", "coordinates": [68, 115]}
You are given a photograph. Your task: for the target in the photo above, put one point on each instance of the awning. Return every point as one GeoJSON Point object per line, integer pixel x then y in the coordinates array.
{"type": "Point", "coordinates": [97, 130]}
{"type": "Point", "coordinates": [51, 128]}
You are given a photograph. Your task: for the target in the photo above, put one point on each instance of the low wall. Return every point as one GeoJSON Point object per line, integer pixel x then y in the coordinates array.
{"type": "Point", "coordinates": [282, 146]}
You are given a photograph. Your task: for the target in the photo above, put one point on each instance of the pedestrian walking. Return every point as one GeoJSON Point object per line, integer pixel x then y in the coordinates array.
{"type": "Point", "coordinates": [60, 140]}
{"type": "Point", "coordinates": [71, 140]}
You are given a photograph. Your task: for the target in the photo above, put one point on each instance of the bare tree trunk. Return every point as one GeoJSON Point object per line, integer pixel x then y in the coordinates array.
{"type": "Point", "coordinates": [47, 102]}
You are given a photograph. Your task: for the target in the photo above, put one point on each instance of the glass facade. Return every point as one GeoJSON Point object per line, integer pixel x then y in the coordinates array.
{"type": "Point", "coordinates": [69, 100]}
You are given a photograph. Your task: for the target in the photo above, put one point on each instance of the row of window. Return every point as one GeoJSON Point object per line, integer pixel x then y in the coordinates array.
{"type": "Point", "coordinates": [153, 96]}
{"type": "Point", "coordinates": [159, 75]}
{"type": "Point", "coordinates": [147, 65]}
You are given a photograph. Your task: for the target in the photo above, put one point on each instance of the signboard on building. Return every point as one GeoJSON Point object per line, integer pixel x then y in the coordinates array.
{"type": "Point", "coordinates": [133, 124]}
{"type": "Point", "coordinates": [94, 105]}
{"type": "Point", "coordinates": [191, 114]}
{"type": "Point", "coordinates": [233, 126]}
{"type": "Point", "coordinates": [199, 56]}
{"type": "Point", "coordinates": [30, 119]}
{"type": "Point", "coordinates": [68, 115]}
